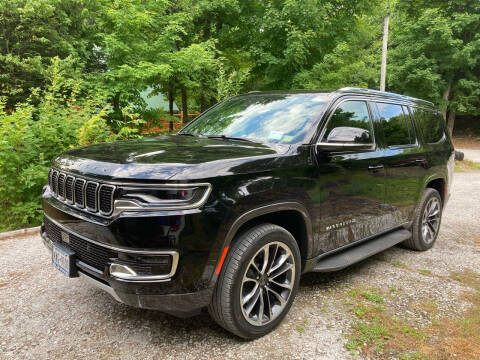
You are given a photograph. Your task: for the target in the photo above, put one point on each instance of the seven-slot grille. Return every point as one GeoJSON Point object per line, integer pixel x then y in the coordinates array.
{"type": "Point", "coordinates": [85, 251]}
{"type": "Point", "coordinates": [87, 195]}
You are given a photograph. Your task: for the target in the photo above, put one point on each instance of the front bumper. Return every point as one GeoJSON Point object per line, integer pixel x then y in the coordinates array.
{"type": "Point", "coordinates": [141, 291]}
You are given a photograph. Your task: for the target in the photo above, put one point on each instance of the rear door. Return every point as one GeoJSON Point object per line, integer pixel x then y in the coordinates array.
{"type": "Point", "coordinates": [404, 160]}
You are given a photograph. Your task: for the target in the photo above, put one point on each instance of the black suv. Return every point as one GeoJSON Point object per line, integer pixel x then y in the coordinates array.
{"type": "Point", "coordinates": [257, 190]}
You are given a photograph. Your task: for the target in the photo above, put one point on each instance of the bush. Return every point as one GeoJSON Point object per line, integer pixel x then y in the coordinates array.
{"type": "Point", "coordinates": [51, 121]}
{"type": "Point", "coordinates": [30, 136]}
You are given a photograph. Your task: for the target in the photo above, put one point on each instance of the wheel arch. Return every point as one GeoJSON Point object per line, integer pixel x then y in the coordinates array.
{"type": "Point", "coordinates": [292, 216]}
{"type": "Point", "coordinates": [437, 183]}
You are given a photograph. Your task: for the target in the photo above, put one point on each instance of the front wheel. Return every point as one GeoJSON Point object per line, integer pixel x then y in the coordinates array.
{"type": "Point", "coordinates": [258, 281]}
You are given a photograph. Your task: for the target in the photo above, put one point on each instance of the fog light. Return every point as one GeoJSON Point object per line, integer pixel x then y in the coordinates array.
{"type": "Point", "coordinates": [144, 268]}
{"type": "Point", "coordinates": [122, 271]}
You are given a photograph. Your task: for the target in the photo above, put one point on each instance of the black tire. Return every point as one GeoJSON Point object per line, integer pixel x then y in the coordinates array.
{"type": "Point", "coordinates": [226, 308]}
{"type": "Point", "coordinates": [417, 241]}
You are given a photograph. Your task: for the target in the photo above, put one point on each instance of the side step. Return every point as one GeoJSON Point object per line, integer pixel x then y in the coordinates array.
{"type": "Point", "coordinates": [362, 251]}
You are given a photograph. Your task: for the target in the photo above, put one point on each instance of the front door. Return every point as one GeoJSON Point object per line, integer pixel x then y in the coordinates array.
{"type": "Point", "coordinates": [351, 183]}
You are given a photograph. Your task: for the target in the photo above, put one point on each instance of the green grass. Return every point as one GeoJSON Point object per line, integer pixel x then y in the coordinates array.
{"type": "Point", "coordinates": [466, 165]}
{"type": "Point", "coordinates": [425, 272]}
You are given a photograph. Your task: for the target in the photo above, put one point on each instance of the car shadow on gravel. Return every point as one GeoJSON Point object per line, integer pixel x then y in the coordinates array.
{"type": "Point", "coordinates": [167, 328]}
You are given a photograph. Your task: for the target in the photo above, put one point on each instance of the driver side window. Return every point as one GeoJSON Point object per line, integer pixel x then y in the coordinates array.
{"type": "Point", "coordinates": [350, 123]}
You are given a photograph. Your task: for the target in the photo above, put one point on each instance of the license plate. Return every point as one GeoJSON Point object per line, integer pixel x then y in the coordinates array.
{"type": "Point", "coordinates": [64, 260]}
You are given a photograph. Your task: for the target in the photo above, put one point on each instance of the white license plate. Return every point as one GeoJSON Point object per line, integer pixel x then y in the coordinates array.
{"type": "Point", "coordinates": [61, 260]}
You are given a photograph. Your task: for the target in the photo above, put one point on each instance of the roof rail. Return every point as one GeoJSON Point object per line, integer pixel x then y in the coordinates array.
{"type": "Point", "coordinates": [384, 93]}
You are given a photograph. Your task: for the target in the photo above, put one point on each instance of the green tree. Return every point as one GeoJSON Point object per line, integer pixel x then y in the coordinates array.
{"type": "Point", "coordinates": [436, 54]}
{"type": "Point", "coordinates": [32, 32]}
{"type": "Point", "coordinates": [354, 61]}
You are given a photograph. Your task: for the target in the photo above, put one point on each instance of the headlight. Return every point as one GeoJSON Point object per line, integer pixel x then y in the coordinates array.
{"type": "Point", "coordinates": [161, 197]}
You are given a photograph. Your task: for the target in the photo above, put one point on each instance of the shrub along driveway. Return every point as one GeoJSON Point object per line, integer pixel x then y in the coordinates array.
{"type": "Point", "coordinates": [398, 304]}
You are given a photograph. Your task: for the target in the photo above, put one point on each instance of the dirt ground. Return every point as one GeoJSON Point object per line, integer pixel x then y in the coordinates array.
{"type": "Point", "coordinates": [400, 304]}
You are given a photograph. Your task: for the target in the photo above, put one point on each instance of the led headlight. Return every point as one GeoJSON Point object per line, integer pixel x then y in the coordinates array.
{"type": "Point", "coordinates": [161, 197]}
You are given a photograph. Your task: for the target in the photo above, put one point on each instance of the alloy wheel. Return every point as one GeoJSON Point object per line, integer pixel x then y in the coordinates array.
{"type": "Point", "coordinates": [431, 220]}
{"type": "Point", "coordinates": [267, 283]}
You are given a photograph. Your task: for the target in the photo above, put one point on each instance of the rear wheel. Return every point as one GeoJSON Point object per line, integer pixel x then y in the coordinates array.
{"type": "Point", "coordinates": [426, 223]}
{"type": "Point", "coordinates": [258, 282]}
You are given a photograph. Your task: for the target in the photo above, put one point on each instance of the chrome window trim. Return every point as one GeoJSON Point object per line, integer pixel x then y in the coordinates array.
{"type": "Point", "coordinates": [371, 146]}
{"type": "Point", "coordinates": [97, 185]}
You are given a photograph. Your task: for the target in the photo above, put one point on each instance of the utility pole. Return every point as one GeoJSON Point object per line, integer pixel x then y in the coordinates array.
{"type": "Point", "coordinates": [383, 71]}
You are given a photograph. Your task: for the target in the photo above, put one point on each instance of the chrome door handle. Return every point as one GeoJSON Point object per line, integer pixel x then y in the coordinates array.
{"type": "Point", "coordinates": [420, 160]}
{"type": "Point", "coordinates": [375, 167]}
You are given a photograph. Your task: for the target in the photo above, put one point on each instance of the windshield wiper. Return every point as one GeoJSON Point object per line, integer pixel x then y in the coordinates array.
{"type": "Point", "coordinates": [225, 137]}
{"type": "Point", "coordinates": [188, 134]}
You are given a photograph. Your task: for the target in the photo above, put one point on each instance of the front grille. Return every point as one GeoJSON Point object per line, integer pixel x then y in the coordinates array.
{"type": "Point", "coordinates": [85, 251]}
{"type": "Point", "coordinates": [78, 192]}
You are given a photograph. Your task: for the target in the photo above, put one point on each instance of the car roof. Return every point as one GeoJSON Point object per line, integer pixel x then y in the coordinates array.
{"type": "Point", "coordinates": [349, 91]}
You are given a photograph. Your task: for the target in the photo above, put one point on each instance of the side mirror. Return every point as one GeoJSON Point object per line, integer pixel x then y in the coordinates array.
{"type": "Point", "coordinates": [345, 138]}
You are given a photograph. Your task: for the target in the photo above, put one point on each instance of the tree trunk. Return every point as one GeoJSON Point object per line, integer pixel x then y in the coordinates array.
{"type": "Point", "coordinates": [170, 106]}
{"type": "Point", "coordinates": [383, 70]}
{"type": "Point", "coordinates": [446, 96]}
{"type": "Point", "coordinates": [184, 105]}
{"type": "Point", "coordinates": [451, 121]}
{"type": "Point", "coordinates": [203, 101]}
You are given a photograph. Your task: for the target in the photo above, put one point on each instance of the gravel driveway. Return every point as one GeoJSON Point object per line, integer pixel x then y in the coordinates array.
{"type": "Point", "coordinates": [44, 315]}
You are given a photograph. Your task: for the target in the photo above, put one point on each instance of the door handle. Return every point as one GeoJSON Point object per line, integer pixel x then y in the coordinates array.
{"type": "Point", "coordinates": [375, 167]}
{"type": "Point", "coordinates": [420, 160]}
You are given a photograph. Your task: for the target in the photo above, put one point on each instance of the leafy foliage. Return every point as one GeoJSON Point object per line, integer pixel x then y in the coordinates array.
{"type": "Point", "coordinates": [198, 52]}
{"type": "Point", "coordinates": [32, 135]}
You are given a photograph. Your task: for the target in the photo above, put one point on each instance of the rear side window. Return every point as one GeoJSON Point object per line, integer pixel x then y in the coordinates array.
{"type": "Point", "coordinates": [395, 126]}
{"type": "Point", "coordinates": [349, 123]}
{"type": "Point", "coordinates": [430, 123]}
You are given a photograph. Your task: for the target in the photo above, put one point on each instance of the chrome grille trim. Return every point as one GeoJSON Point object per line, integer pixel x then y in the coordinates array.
{"type": "Point", "coordinates": [69, 189]}
{"type": "Point", "coordinates": [72, 190]}
{"type": "Point", "coordinates": [87, 192]}
{"type": "Point", "coordinates": [54, 182]}
{"type": "Point", "coordinates": [101, 202]}
{"type": "Point", "coordinates": [80, 195]}
{"type": "Point", "coordinates": [61, 185]}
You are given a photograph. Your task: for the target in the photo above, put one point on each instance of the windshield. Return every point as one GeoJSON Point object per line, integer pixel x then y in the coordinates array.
{"type": "Point", "coordinates": [271, 118]}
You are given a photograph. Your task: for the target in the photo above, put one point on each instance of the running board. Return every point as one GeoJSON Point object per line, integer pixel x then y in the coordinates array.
{"type": "Point", "coordinates": [360, 252]}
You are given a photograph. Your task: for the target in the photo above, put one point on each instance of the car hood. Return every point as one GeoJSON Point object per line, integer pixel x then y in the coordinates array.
{"type": "Point", "coordinates": [169, 157]}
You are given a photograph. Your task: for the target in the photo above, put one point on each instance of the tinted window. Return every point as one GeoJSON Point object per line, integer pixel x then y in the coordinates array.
{"type": "Point", "coordinates": [430, 123]}
{"type": "Point", "coordinates": [271, 118]}
{"type": "Point", "coordinates": [394, 123]}
{"type": "Point", "coordinates": [350, 123]}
